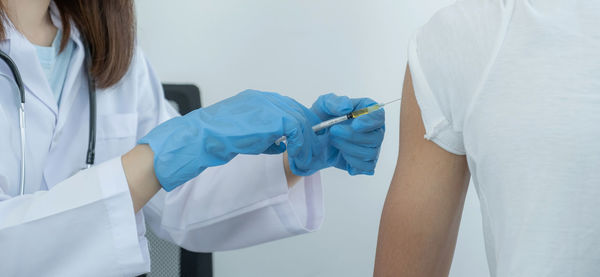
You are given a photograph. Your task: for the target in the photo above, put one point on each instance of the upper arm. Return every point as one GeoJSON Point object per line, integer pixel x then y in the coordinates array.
{"type": "Point", "coordinates": [448, 58]}
{"type": "Point", "coordinates": [422, 211]}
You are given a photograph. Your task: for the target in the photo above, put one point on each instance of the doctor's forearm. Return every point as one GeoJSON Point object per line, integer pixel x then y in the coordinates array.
{"type": "Point", "coordinates": [138, 165]}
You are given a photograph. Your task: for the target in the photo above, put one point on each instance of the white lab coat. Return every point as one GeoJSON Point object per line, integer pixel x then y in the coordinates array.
{"type": "Point", "coordinates": [81, 223]}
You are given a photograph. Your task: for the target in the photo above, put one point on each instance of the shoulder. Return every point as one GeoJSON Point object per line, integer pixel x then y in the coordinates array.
{"type": "Point", "coordinates": [140, 74]}
{"type": "Point", "coordinates": [472, 12]}
{"type": "Point", "coordinates": [448, 58]}
{"type": "Point", "coordinates": [466, 27]}
{"type": "Point", "coordinates": [452, 51]}
{"type": "Point", "coordinates": [140, 67]}
{"type": "Point", "coordinates": [140, 87]}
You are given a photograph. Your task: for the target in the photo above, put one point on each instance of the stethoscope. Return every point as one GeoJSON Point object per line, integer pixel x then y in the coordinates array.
{"type": "Point", "coordinates": [89, 159]}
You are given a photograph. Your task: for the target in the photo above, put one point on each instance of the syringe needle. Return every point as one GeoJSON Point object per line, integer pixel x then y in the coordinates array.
{"type": "Point", "coordinates": [384, 104]}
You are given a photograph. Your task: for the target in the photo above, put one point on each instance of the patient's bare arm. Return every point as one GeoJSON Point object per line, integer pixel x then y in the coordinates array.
{"type": "Point", "coordinates": [422, 212]}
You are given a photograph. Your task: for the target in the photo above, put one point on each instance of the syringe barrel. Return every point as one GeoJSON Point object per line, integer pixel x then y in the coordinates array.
{"type": "Point", "coordinates": [366, 110]}
{"type": "Point", "coordinates": [328, 123]}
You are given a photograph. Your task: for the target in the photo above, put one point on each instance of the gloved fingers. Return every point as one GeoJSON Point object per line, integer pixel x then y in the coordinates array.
{"type": "Point", "coordinates": [347, 133]}
{"type": "Point", "coordinates": [295, 142]}
{"type": "Point", "coordinates": [301, 159]}
{"type": "Point", "coordinates": [360, 103]}
{"type": "Point", "coordinates": [364, 153]}
{"type": "Point", "coordinates": [301, 141]}
{"type": "Point", "coordinates": [330, 105]}
{"type": "Point", "coordinates": [276, 149]}
{"type": "Point", "coordinates": [353, 172]}
{"type": "Point", "coordinates": [369, 122]}
{"type": "Point", "coordinates": [356, 165]}
{"type": "Point", "coordinates": [297, 127]}
{"type": "Point", "coordinates": [296, 109]}
{"type": "Point", "coordinates": [310, 116]}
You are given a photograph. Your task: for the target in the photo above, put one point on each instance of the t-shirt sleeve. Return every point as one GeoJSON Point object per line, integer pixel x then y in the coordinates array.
{"type": "Point", "coordinates": [448, 59]}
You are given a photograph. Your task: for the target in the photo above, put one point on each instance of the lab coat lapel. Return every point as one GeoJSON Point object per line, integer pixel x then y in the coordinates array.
{"type": "Point", "coordinates": [24, 55]}
{"type": "Point", "coordinates": [72, 119]}
{"type": "Point", "coordinates": [73, 106]}
{"type": "Point", "coordinates": [75, 76]}
{"type": "Point", "coordinates": [74, 83]}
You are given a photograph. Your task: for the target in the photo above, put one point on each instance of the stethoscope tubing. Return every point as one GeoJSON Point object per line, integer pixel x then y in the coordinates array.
{"type": "Point", "coordinates": [90, 155]}
{"type": "Point", "coordinates": [91, 151]}
{"type": "Point", "coordinates": [19, 82]}
{"type": "Point", "coordinates": [23, 142]}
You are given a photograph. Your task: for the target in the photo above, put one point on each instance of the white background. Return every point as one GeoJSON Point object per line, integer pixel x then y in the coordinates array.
{"type": "Point", "coordinates": [304, 49]}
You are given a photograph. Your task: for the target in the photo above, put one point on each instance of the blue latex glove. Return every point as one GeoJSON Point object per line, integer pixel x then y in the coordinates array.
{"type": "Point", "coordinates": [248, 123]}
{"type": "Point", "coordinates": [352, 145]}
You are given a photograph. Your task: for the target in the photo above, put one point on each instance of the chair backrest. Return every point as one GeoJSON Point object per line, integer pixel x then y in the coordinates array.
{"type": "Point", "coordinates": [187, 97]}
{"type": "Point", "coordinates": [169, 259]}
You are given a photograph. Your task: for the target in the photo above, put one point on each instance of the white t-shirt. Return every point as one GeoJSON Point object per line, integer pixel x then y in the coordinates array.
{"type": "Point", "coordinates": [515, 86]}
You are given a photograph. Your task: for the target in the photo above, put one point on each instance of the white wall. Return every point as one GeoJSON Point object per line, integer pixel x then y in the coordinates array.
{"type": "Point", "coordinates": [304, 49]}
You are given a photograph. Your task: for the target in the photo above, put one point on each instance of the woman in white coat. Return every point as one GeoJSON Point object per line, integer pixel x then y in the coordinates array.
{"type": "Point", "coordinates": [74, 222]}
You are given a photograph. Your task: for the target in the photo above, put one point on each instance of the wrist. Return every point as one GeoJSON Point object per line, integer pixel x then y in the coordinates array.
{"type": "Point", "coordinates": [292, 179]}
{"type": "Point", "coordinates": [138, 165]}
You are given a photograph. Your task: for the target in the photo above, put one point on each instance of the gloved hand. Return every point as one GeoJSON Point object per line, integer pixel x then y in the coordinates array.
{"type": "Point", "coordinates": [352, 145]}
{"type": "Point", "coordinates": [248, 123]}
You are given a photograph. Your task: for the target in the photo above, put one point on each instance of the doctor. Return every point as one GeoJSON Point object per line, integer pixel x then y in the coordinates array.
{"type": "Point", "coordinates": [74, 222]}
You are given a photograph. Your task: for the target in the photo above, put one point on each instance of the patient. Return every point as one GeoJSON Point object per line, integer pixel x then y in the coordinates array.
{"type": "Point", "coordinates": [508, 93]}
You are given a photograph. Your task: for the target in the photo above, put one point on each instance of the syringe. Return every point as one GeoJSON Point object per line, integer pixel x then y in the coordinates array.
{"type": "Point", "coordinates": [328, 123]}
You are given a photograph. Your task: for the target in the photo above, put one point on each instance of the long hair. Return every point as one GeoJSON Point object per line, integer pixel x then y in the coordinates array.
{"type": "Point", "coordinates": [106, 26]}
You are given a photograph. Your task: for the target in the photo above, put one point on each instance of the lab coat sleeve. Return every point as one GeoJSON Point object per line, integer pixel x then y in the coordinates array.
{"type": "Point", "coordinates": [242, 203]}
{"type": "Point", "coordinates": [83, 226]}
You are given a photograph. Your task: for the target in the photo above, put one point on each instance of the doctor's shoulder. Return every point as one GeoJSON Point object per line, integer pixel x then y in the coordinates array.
{"type": "Point", "coordinates": [139, 90]}
{"type": "Point", "coordinates": [136, 78]}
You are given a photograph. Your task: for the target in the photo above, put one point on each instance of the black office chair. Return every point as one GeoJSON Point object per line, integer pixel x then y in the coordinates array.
{"type": "Point", "coordinates": [169, 259]}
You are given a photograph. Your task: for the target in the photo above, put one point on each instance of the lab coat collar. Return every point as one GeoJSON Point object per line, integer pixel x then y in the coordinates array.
{"type": "Point", "coordinates": [25, 57]}
{"type": "Point", "coordinates": [22, 51]}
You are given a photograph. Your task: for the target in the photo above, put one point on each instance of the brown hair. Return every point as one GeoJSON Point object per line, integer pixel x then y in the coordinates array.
{"type": "Point", "coordinates": [108, 28]}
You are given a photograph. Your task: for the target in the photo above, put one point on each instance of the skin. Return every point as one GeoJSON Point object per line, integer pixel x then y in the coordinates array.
{"type": "Point", "coordinates": [423, 208]}
{"type": "Point", "coordinates": [32, 19]}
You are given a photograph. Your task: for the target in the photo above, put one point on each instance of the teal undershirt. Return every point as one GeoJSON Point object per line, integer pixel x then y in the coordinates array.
{"type": "Point", "coordinates": [55, 64]}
